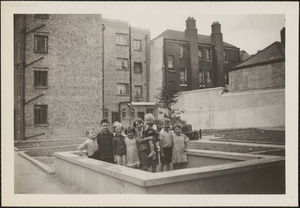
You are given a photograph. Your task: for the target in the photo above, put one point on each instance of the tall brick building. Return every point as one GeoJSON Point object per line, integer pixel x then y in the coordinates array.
{"type": "Point", "coordinates": [72, 70]}
{"type": "Point", "coordinates": [188, 61]}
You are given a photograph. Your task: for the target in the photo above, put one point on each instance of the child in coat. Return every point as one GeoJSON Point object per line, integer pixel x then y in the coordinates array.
{"type": "Point", "coordinates": [180, 141]}
{"type": "Point", "coordinates": [119, 146]}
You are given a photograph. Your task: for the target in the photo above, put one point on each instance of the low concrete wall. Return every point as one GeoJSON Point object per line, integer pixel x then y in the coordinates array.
{"type": "Point", "coordinates": [214, 109]}
{"type": "Point", "coordinates": [232, 173]}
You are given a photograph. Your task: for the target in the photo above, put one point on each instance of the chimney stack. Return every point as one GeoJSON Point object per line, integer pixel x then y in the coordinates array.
{"type": "Point", "coordinates": [191, 35]}
{"type": "Point", "coordinates": [282, 35]}
{"type": "Point", "coordinates": [216, 38]}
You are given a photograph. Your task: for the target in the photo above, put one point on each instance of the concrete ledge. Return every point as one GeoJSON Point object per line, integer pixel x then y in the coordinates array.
{"type": "Point", "coordinates": [38, 163]}
{"type": "Point", "coordinates": [222, 167]}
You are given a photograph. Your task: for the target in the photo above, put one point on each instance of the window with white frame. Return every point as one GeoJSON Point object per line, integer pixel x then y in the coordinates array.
{"type": "Point", "coordinates": [137, 45]}
{"type": "Point", "coordinates": [201, 79]}
{"type": "Point", "coordinates": [121, 39]}
{"type": "Point", "coordinates": [171, 62]}
{"type": "Point", "coordinates": [208, 78]}
{"type": "Point", "coordinates": [122, 89]}
{"type": "Point", "coordinates": [208, 53]}
{"type": "Point", "coordinates": [122, 63]}
{"type": "Point", "coordinates": [200, 53]}
{"type": "Point", "coordinates": [181, 51]}
{"type": "Point", "coordinates": [183, 77]}
{"type": "Point", "coordinates": [40, 44]}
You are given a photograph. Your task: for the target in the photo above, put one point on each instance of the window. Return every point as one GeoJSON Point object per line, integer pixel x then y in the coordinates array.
{"type": "Point", "coordinates": [171, 62]}
{"type": "Point", "coordinates": [150, 111]}
{"type": "Point", "coordinates": [122, 89]}
{"type": "Point", "coordinates": [200, 53]}
{"type": "Point", "coordinates": [40, 114]}
{"type": "Point", "coordinates": [40, 78]}
{"type": "Point", "coordinates": [137, 45]}
{"type": "Point", "coordinates": [106, 113]}
{"type": "Point", "coordinates": [208, 53]}
{"type": "Point", "coordinates": [201, 79]}
{"type": "Point", "coordinates": [208, 78]}
{"type": "Point", "coordinates": [132, 112]}
{"type": "Point", "coordinates": [122, 64]}
{"type": "Point", "coordinates": [225, 56]}
{"type": "Point", "coordinates": [40, 44]}
{"type": "Point", "coordinates": [42, 16]}
{"type": "Point", "coordinates": [123, 113]}
{"type": "Point", "coordinates": [171, 85]}
{"type": "Point", "coordinates": [138, 91]}
{"type": "Point", "coordinates": [137, 67]}
{"type": "Point", "coordinates": [121, 39]}
{"type": "Point", "coordinates": [141, 115]}
{"type": "Point", "coordinates": [114, 117]}
{"type": "Point", "coordinates": [181, 51]}
{"type": "Point", "coordinates": [226, 78]}
{"type": "Point", "coordinates": [183, 77]}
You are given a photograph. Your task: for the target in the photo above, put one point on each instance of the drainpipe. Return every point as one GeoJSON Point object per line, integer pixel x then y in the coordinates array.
{"type": "Point", "coordinates": [130, 73]}
{"type": "Point", "coordinates": [22, 68]}
{"type": "Point", "coordinates": [147, 68]}
{"type": "Point", "coordinates": [103, 107]}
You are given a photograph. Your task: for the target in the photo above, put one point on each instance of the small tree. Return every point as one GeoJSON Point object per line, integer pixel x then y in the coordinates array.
{"type": "Point", "coordinates": [166, 99]}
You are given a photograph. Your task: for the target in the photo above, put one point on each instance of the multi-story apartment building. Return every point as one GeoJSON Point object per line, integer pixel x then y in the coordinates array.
{"type": "Point", "coordinates": [71, 70]}
{"type": "Point", "coordinates": [189, 61]}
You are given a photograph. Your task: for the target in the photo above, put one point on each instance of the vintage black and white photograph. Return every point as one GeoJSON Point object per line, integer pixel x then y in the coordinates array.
{"type": "Point", "coordinates": [147, 101]}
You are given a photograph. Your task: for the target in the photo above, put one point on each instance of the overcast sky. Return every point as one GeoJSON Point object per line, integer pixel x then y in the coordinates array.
{"type": "Point", "coordinates": [249, 32]}
{"type": "Point", "coordinates": [251, 26]}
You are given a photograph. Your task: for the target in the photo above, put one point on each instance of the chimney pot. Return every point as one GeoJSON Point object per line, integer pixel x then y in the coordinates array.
{"type": "Point", "coordinates": [282, 35]}
{"type": "Point", "coordinates": [190, 23]}
{"type": "Point", "coordinates": [216, 27]}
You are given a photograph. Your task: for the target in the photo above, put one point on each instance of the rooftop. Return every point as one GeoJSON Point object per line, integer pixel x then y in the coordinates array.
{"type": "Point", "coordinates": [179, 35]}
{"type": "Point", "coordinates": [274, 52]}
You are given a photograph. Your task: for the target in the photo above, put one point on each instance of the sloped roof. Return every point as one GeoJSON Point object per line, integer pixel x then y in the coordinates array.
{"type": "Point", "coordinates": [274, 52]}
{"type": "Point", "coordinates": [179, 35]}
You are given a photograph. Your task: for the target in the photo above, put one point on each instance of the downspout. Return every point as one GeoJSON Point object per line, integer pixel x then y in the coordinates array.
{"type": "Point", "coordinates": [130, 80]}
{"type": "Point", "coordinates": [103, 107]}
{"type": "Point", "coordinates": [147, 68]}
{"type": "Point", "coordinates": [23, 61]}
{"type": "Point", "coordinates": [130, 73]}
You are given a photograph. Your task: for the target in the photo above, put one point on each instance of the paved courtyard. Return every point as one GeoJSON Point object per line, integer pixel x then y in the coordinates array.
{"type": "Point", "coordinates": [30, 179]}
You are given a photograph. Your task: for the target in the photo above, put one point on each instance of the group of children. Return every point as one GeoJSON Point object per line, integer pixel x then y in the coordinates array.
{"type": "Point", "coordinates": [141, 147]}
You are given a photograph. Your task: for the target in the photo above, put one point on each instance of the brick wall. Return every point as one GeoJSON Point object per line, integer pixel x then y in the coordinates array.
{"type": "Point", "coordinates": [74, 67]}
{"type": "Point", "coordinates": [259, 77]}
{"type": "Point", "coordinates": [113, 76]}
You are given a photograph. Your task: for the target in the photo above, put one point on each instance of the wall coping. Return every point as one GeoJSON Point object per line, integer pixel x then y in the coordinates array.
{"type": "Point", "coordinates": [147, 179]}
{"type": "Point", "coordinates": [201, 90]}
